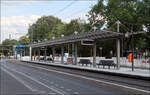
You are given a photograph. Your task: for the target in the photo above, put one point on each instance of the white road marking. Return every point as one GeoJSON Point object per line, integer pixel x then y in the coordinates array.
{"type": "Point", "coordinates": [51, 93]}
{"type": "Point", "coordinates": [42, 92]}
{"type": "Point", "coordinates": [49, 87]}
{"type": "Point", "coordinates": [76, 92]}
{"type": "Point", "coordinates": [68, 89]}
{"type": "Point", "coordinates": [56, 85]}
{"type": "Point", "coordinates": [18, 79]}
{"type": "Point", "coordinates": [61, 87]}
{"type": "Point", "coordinates": [91, 79]}
{"type": "Point", "coordinates": [45, 80]}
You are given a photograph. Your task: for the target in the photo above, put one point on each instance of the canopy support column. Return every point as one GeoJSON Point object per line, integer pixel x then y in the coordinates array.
{"type": "Point", "coordinates": [94, 54]}
{"type": "Point", "coordinates": [39, 53]}
{"type": "Point", "coordinates": [62, 54]}
{"type": "Point", "coordinates": [118, 54]}
{"type": "Point", "coordinates": [34, 51]}
{"type": "Point", "coordinates": [45, 53]}
{"type": "Point", "coordinates": [73, 50]}
{"type": "Point", "coordinates": [53, 53]}
{"type": "Point", "coordinates": [30, 53]}
{"type": "Point", "coordinates": [76, 53]}
{"type": "Point", "coordinates": [118, 47]}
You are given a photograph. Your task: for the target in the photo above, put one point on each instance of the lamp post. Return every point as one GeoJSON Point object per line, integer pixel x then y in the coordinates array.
{"type": "Point", "coordinates": [100, 51]}
{"type": "Point", "coordinates": [0, 37]}
{"type": "Point", "coordinates": [62, 52]}
{"type": "Point", "coordinates": [75, 50]}
{"type": "Point", "coordinates": [62, 35]}
{"type": "Point", "coordinates": [75, 32]}
{"type": "Point", "coordinates": [53, 37]}
{"type": "Point", "coordinates": [136, 51]}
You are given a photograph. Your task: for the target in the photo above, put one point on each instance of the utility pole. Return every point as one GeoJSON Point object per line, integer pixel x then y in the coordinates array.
{"type": "Point", "coordinates": [132, 44]}
{"type": "Point", "coordinates": [118, 47]}
{"type": "Point", "coordinates": [0, 37]}
{"type": "Point", "coordinates": [9, 36]}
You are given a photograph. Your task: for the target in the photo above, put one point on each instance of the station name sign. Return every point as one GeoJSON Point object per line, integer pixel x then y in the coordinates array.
{"type": "Point", "coordinates": [20, 46]}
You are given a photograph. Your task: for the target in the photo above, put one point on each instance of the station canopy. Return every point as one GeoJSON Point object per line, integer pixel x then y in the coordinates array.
{"type": "Point", "coordinates": [97, 35]}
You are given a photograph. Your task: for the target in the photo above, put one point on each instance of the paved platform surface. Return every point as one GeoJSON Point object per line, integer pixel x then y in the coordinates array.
{"type": "Point", "coordinates": [122, 70]}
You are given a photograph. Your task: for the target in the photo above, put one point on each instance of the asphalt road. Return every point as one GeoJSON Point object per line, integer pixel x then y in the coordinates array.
{"type": "Point", "coordinates": [20, 78]}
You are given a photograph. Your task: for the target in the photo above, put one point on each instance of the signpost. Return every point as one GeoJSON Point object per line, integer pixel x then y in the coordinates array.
{"type": "Point", "coordinates": [19, 50]}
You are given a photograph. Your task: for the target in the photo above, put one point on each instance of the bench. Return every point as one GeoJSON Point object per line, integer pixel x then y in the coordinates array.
{"type": "Point", "coordinates": [41, 58]}
{"type": "Point", "coordinates": [106, 63]}
{"type": "Point", "coordinates": [49, 59]}
{"type": "Point", "coordinates": [85, 62]}
{"type": "Point", "coordinates": [148, 61]}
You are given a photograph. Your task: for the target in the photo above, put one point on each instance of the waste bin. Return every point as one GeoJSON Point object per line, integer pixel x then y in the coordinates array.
{"type": "Point", "coordinates": [70, 60]}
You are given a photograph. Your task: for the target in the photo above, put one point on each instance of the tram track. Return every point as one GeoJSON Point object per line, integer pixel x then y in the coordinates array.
{"type": "Point", "coordinates": [136, 83]}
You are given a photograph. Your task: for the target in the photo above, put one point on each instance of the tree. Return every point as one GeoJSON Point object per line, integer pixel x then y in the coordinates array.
{"type": "Point", "coordinates": [45, 28]}
{"type": "Point", "coordinates": [74, 25]}
{"type": "Point", "coordinates": [7, 46]}
{"type": "Point", "coordinates": [10, 42]}
{"type": "Point", "coordinates": [24, 40]}
{"type": "Point", "coordinates": [133, 14]}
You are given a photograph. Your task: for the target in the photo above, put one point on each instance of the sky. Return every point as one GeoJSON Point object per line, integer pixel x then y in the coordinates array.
{"type": "Point", "coordinates": [17, 15]}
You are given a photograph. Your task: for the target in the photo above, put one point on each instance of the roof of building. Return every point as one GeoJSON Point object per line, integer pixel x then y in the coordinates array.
{"type": "Point", "coordinates": [97, 35]}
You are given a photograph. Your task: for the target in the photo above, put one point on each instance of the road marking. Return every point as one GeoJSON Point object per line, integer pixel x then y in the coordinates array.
{"type": "Point", "coordinates": [61, 87]}
{"type": "Point", "coordinates": [56, 85]}
{"type": "Point", "coordinates": [60, 92]}
{"type": "Point", "coordinates": [68, 89]}
{"type": "Point", "coordinates": [18, 79]}
{"type": "Point", "coordinates": [52, 82]}
{"type": "Point", "coordinates": [51, 93]}
{"type": "Point", "coordinates": [76, 92]}
{"type": "Point", "coordinates": [91, 79]}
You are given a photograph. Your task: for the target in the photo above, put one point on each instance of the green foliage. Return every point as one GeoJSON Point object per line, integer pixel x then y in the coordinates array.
{"type": "Point", "coordinates": [7, 46]}
{"type": "Point", "coordinates": [133, 14]}
{"type": "Point", "coordinates": [45, 28]}
{"type": "Point", "coordinates": [24, 40]}
{"type": "Point", "coordinates": [74, 25]}
{"type": "Point", "coordinates": [10, 42]}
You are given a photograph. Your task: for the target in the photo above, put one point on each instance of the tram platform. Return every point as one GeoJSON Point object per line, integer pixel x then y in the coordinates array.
{"type": "Point", "coordinates": [123, 71]}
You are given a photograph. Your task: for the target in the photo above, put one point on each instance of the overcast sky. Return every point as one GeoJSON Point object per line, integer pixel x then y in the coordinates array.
{"type": "Point", "coordinates": [17, 15]}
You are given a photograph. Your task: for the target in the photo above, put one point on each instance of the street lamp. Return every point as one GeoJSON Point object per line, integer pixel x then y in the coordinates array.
{"type": "Point", "coordinates": [136, 51]}
{"type": "Point", "coordinates": [100, 51]}
{"type": "Point", "coordinates": [39, 41]}
{"type": "Point", "coordinates": [127, 34]}
{"type": "Point", "coordinates": [75, 32]}
{"type": "Point", "coordinates": [62, 35]}
{"type": "Point", "coordinates": [94, 28]}
{"type": "Point", "coordinates": [53, 37]}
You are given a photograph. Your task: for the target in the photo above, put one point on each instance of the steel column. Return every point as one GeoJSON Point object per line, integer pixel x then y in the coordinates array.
{"type": "Point", "coordinates": [31, 53]}
{"type": "Point", "coordinates": [39, 53]}
{"type": "Point", "coordinates": [118, 46]}
{"type": "Point", "coordinates": [62, 54]}
{"type": "Point", "coordinates": [118, 54]}
{"type": "Point", "coordinates": [45, 53]}
{"type": "Point", "coordinates": [53, 53]}
{"type": "Point", "coordinates": [76, 54]}
{"type": "Point", "coordinates": [94, 54]}
{"type": "Point", "coordinates": [34, 52]}
{"type": "Point", "coordinates": [73, 51]}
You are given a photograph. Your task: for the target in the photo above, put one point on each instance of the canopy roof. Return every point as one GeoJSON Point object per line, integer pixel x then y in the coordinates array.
{"type": "Point", "coordinates": [97, 35]}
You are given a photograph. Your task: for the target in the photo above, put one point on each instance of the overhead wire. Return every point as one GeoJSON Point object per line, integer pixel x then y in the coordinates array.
{"type": "Point", "coordinates": [64, 8]}
{"type": "Point", "coordinates": [77, 12]}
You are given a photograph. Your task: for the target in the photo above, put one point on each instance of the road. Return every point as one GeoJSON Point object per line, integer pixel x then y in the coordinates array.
{"type": "Point", "coordinates": [25, 78]}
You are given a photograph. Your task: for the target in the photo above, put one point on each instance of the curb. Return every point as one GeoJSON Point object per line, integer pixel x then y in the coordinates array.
{"type": "Point", "coordinates": [95, 71]}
